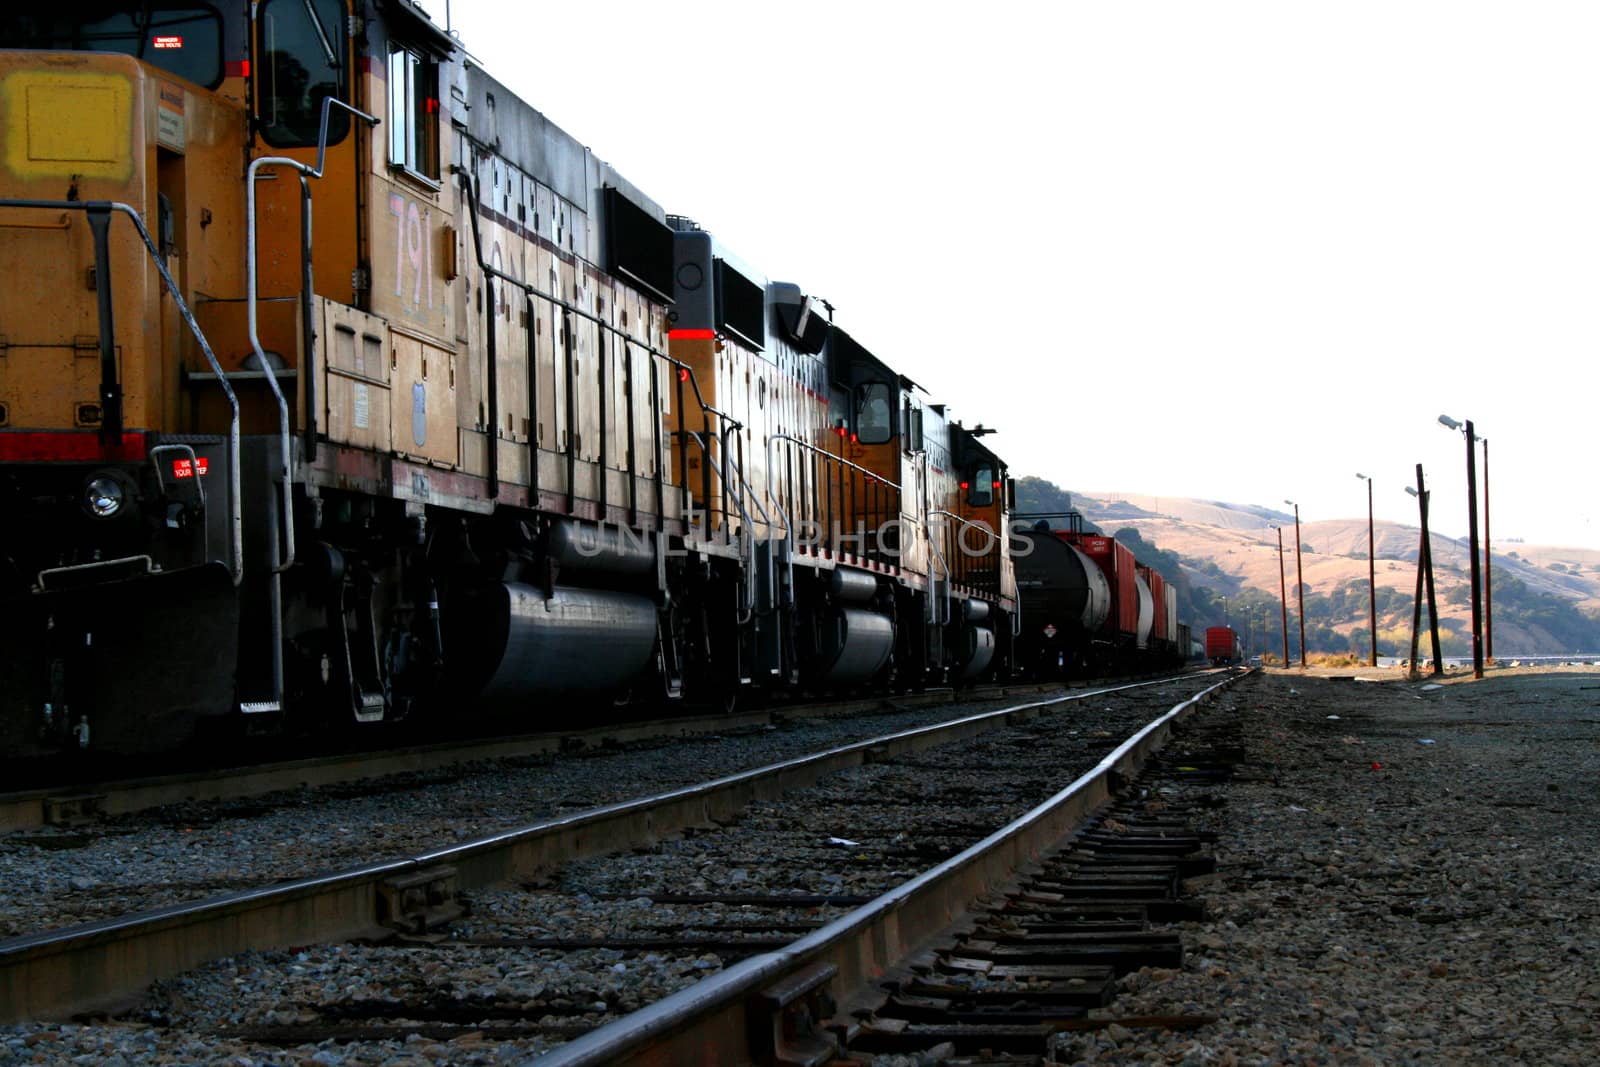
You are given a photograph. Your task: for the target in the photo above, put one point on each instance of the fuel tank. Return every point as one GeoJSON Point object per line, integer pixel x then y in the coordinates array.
{"type": "Point", "coordinates": [511, 644]}
{"type": "Point", "coordinates": [977, 650]}
{"type": "Point", "coordinates": [853, 645]}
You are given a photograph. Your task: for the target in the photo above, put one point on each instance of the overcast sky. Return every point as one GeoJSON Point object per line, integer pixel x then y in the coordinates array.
{"type": "Point", "coordinates": [1235, 251]}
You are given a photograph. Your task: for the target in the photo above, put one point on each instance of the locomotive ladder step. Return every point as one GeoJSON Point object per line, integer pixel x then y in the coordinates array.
{"type": "Point", "coordinates": [372, 708]}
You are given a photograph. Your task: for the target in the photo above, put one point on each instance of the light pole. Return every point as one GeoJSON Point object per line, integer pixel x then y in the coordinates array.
{"type": "Point", "coordinates": [1300, 582]}
{"type": "Point", "coordinates": [1372, 573]}
{"type": "Point", "coordinates": [1224, 611]}
{"type": "Point", "coordinates": [1283, 598]}
{"type": "Point", "coordinates": [1472, 538]}
{"type": "Point", "coordinates": [1488, 598]}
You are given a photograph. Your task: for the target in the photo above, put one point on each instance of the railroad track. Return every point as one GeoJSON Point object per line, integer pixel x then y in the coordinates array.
{"type": "Point", "coordinates": [48, 973]}
{"type": "Point", "coordinates": [75, 803]}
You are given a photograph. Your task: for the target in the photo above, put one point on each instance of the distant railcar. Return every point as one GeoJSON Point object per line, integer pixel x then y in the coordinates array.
{"type": "Point", "coordinates": [1222, 646]}
{"type": "Point", "coordinates": [1090, 608]}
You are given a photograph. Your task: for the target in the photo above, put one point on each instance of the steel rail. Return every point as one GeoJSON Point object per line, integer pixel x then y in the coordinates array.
{"type": "Point", "coordinates": [58, 972]}
{"type": "Point", "coordinates": [714, 1020]}
{"type": "Point", "coordinates": [28, 809]}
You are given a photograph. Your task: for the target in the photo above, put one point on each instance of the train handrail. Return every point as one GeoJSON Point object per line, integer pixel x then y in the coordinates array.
{"type": "Point", "coordinates": [932, 541]}
{"type": "Point", "coordinates": [305, 171]}
{"type": "Point", "coordinates": [102, 209]}
{"type": "Point", "coordinates": [747, 550]}
{"type": "Point", "coordinates": [788, 525]}
{"type": "Point", "coordinates": [530, 292]}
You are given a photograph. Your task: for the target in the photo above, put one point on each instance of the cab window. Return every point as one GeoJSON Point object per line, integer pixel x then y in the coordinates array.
{"type": "Point", "coordinates": [414, 113]}
{"type": "Point", "coordinates": [874, 407]}
{"type": "Point", "coordinates": [303, 54]}
{"type": "Point", "coordinates": [981, 492]}
{"type": "Point", "coordinates": [181, 38]}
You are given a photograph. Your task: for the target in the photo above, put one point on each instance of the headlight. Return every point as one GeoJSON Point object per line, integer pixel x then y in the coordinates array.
{"type": "Point", "coordinates": [104, 495]}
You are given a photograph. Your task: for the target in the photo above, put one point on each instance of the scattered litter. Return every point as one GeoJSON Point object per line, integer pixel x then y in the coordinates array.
{"type": "Point", "coordinates": [1425, 741]}
{"type": "Point", "coordinates": [1361, 679]}
{"type": "Point", "coordinates": [1350, 740]}
{"type": "Point", "coordinates": [1294, 692]}
{"type": "Point", "coordinates": [1431, 686]}
{"type": "Point", "coordinates": [1296, 807]}
{"type": "Point", "coordinates": [843, 842]}
{"type": "Point", "coordinates": [1377, 766]}
{"type": "Point", "coordinates": [1334, 718]}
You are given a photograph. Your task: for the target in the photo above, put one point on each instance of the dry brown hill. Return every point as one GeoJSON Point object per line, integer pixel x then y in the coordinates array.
{"type": "Point", "coordinates": [1241, 542]}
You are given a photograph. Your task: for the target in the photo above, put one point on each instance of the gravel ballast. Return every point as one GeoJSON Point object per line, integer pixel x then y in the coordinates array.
{"type": "Point", "coordinates": [1406, 875]}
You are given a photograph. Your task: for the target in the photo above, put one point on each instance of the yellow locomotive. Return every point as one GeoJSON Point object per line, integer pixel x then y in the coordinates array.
{"type": "Point", "coordinates": [337, 383]}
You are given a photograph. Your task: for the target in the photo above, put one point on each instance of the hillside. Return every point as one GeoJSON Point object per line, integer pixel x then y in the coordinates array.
{"type": "Point", "coordinates": [1546, 599]}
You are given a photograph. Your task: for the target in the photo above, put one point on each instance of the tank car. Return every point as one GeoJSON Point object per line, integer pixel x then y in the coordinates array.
{"type": "Point", "coordinates": [1090, 608]}
{"type": "Point", "coordinates": [338, 383]}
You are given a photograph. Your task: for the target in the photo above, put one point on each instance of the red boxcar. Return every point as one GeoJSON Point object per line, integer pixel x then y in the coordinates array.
{"type": "Point", "coordinates": [1116, 560]}
{"type": "Point", "coordinates": [1222, 645]}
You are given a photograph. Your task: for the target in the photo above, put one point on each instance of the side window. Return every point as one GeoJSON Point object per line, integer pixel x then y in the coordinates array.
{"type": "Point", "coordinates": [414, 113]}
{"type": "Point", "coordinates": [981, 494]}
{"type": "Point", "coordinates": [874, 413]}
{"type": "Point", "coordinates": [303, 60]}
{"type": "Point", "coordinates": [911, 421]}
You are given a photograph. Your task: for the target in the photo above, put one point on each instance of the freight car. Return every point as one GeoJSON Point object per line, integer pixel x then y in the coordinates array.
{"type": "Point", "coordinates": [1089, 608]}
{"type": "Point", "coordinates": [1223, 648]}
{"type": "Point", "coordinates": [338, 384]}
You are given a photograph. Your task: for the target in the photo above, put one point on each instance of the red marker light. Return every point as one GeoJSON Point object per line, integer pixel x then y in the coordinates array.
{"type": "Point", "coordinates": [854, 439]}
{"type": "Point", "coordinates": [841, 431]}
{"type": "Point", "coordinates": [683, 374]}
{"type": "Point", "coordinates": [686, 334]}
{"type": "Point", "coordinates": [966, 485]}
{"type": "Point", "coordinates": [996, 485]}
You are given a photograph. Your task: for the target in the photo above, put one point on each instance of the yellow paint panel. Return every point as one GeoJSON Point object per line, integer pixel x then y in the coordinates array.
{"type": "Point", "coordinates": [61, 125]}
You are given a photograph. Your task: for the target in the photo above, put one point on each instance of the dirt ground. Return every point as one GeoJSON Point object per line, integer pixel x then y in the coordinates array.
{"type": "Point", "coordinates": [1408, 872]}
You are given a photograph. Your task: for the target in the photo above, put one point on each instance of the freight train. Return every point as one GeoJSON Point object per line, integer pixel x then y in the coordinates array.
{"type": "Point", "coordinates": [1090, 609]}
{"type": "Point", "coordinates": [338, 385]}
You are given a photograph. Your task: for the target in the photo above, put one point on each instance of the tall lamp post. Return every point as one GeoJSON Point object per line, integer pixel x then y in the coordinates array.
{"type": "Point", "coordinates": [1300, 582]}
{"type": "Point", "coordinates": [1372, 573]}
{"type": "Point", "coordinates": [1472, 538]}
{"type": "Point", "coordinates": [1283, 598]}
{"type": "Point", "coordinates": [1488, 598]}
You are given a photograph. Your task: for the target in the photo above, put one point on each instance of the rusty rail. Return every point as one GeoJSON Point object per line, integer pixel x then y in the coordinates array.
{"type": "Point", "coordinates": [718, 1019]}
{"type": "Point", "coordinates": [63, 971]}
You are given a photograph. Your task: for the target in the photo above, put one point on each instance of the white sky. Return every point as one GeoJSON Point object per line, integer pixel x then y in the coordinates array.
{"type": "Point", "coordinates": [1236, 251]}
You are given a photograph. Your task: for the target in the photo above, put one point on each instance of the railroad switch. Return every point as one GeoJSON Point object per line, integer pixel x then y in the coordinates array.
{"type": "Point", "coordinates": [787, 1020]}
{"type": "Point", "coordinates": [418, 902]}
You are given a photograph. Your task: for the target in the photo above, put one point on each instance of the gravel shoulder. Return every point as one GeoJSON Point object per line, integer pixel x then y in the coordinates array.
{"type": "Point", "coordinates": [1406, 875]}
